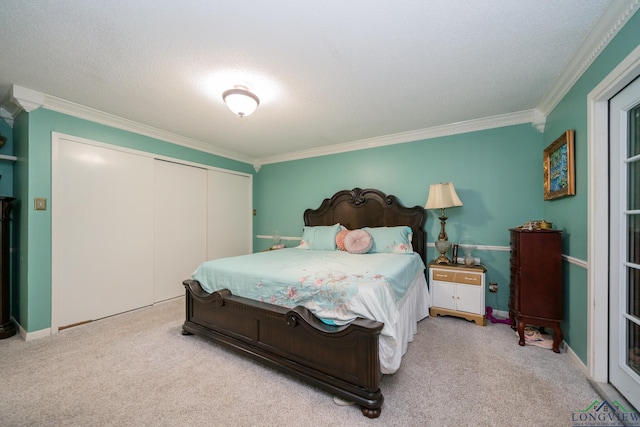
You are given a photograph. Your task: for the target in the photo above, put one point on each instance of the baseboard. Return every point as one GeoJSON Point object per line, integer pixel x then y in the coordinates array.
{"type": "Point", "coordinates": [605, 390]}
{"type": "Point", "coordinates": [28, 336]}
{"type": "Point", "coordinates": [574, 358]}
{"type": "Point", "coordinates": [501, 314]}
{"type": "Point", "coordinates": [609, 393]}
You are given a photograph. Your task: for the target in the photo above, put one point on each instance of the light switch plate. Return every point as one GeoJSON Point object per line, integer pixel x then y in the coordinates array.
{"type": "Point", "coordinates": [40, 204]}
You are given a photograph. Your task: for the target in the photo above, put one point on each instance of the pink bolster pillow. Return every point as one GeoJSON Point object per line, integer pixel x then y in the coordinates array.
{"type": "Point", "coordinates": [340, 239]}
{"type": "Point", "coordinates": [358, 242]}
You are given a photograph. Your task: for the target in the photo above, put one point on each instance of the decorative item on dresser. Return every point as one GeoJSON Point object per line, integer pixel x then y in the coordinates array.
{"type": "Point", "coordinates": [7, 327]}
{"type": "Point", "coordinates": [536, 281]}
{"type": "Point", "coordinates": [458, 291]}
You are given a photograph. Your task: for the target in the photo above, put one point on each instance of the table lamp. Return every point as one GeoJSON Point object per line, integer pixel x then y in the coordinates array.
{"type": "Point", "coordinates": [442, 196]}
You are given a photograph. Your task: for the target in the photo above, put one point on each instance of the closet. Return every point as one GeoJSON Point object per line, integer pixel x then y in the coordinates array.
{"type": "Point", "coordinates": [128, 226]}
{"type": "Point", "coordinates": [179, 239]}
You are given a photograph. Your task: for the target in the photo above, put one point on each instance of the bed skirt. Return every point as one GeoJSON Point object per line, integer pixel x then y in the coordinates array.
{"type": "Point", "coordinates": [414, 308]}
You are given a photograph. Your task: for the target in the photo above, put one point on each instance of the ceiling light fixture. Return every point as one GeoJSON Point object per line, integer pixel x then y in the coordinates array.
{"type": "Point", "coordinates": [240, 100]}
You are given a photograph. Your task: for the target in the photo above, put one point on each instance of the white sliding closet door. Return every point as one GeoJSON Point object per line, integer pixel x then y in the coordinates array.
{"type": "Point", "coordinates": [180, 222]}
{"type": "Point", "coordinates": [127, 228]}
{"type": "Point", "coordinates": [102, 212]}
{"type": "Point", "coordinates": [230, 216]}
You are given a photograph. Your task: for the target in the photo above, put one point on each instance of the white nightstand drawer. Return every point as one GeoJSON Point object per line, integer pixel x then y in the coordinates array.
{"type": "Point", "coordinates": [469, 279]}
{"type": "Point", "coordinates": [456, 276]}
{"type": "Point", "coordinates": [443, 275]}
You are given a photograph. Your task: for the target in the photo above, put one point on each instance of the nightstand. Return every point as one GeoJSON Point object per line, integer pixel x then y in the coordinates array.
{"type": "Point", "coordinates": [458, 290]}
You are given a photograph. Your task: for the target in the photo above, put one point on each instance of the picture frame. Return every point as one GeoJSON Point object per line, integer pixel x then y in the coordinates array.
{"type": "Point", "coordinates": [558, 165]}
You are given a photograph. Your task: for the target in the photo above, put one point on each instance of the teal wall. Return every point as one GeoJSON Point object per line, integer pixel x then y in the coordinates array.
{"type": "Point", "coordinates": [570, 213]}
{"type": "Point", "coordinates": [497, 174]}
{"type": "Point", "coordinates": [32, 134]}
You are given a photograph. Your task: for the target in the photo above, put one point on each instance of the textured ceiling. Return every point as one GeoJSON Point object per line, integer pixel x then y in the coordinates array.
{"type": "Point", "coordinates": [327, 72]}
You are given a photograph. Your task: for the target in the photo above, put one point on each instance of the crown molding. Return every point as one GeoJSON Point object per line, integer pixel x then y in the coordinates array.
{"type": "Point", "coordinates": [6, 114]}
{"type": "Point", "coordinates": [87, 113]}
{"type": "Point", "coordinates": [605, 29]}
{"type": "Point", "coordinates": [20, 98]}
{"type": "Point", "coordinates": [527, 116]}
{"type": "Point", "coordinates": [539, 120]}
{"type": "Point", "coordinates": [27, 99]}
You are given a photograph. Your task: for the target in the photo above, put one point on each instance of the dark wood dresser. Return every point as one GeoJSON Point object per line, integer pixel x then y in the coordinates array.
{"type": "Point", "coordinates": [535, 291]}
{"type": "Point", "coordinates": [7, 327]}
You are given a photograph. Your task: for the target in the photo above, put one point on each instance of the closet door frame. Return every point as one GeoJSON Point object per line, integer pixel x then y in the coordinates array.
{"type": "Point", "coordinates": [55, 253]}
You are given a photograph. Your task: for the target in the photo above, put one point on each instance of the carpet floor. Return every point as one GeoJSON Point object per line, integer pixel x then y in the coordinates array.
{"type": "Point", "coordinates": [137, 369]}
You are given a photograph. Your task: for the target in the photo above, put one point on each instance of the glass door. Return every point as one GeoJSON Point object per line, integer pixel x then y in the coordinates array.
{"type": "Point", "coordinates": [624, 243]}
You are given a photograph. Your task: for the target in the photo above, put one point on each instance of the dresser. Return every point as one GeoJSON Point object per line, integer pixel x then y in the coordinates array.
{"type": "Point", "coordinates": [535, 289]}
{"type": "Point", "coordinates": [458, 290]}
{"type": "Point", "coordinates": [7, 327]}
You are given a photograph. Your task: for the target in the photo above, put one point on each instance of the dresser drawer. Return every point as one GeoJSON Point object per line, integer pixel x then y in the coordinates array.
{"type": "Point", "coordinates": [457, 277]}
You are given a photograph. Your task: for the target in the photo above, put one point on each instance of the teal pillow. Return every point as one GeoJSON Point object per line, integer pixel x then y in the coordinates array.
{"type": "Point", "coordinates": [396, 240]}
{"type": "Point", "coordinates": [320, 238]}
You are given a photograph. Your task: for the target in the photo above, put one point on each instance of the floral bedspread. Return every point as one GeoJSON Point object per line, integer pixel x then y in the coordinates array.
{"type": "Point", "coordinates": [336, 286]}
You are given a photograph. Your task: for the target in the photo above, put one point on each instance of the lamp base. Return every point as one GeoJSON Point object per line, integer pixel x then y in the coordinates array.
{"type": "Point", "coordinates": [442, 259]}
{"type": "Point", "coordinates": [443, 246]}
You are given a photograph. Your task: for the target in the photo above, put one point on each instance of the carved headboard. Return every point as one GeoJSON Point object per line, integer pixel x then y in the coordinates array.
{"type": "Point", "coordinates": [359, 208]}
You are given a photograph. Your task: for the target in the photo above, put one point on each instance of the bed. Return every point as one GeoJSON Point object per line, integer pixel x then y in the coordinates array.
{"type": "Point", "coordinates": [345, 354]}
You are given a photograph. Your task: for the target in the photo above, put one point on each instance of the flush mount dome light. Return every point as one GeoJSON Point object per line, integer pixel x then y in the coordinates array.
{"type": "Point", "coordinates": [240, 100]}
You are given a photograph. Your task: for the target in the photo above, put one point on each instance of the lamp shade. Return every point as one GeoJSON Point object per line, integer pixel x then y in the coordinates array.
{"type": "Point", "coordinates": [442, 196]}
{"type": "Point", "coordinates": [241, 101]}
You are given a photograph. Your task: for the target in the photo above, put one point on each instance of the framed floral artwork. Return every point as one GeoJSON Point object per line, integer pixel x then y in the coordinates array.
{"type": "Point", "coordinates": [558, 164]}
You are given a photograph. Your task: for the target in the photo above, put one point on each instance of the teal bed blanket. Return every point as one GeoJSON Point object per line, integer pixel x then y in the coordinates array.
{"type": "Point", "coordinates": [336, 286]}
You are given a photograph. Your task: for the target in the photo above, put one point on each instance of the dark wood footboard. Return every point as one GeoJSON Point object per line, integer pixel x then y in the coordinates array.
{"type": "Point", "coordinates": [342, 360]}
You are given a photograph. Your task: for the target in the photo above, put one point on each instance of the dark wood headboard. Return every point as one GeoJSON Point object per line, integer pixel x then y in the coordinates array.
{"type": "Point", "coordinates": [359, 208]}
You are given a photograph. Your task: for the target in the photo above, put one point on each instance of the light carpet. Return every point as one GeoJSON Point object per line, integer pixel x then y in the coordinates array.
{"type": "Point", "coordinates": [137, 369]}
